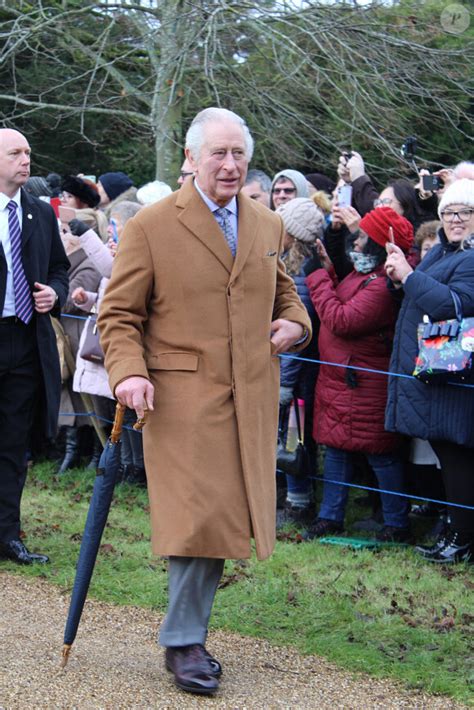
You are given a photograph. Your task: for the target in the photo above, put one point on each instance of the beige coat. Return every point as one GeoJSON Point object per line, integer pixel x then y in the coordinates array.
{"type": "Point", "coordinates": [181, 312]}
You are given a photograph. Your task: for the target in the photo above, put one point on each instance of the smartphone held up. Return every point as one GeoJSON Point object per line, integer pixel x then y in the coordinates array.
{"type": "Point", "coordinates": [344, 196]}
{"type": "Point", "coordinates": [431, 183]}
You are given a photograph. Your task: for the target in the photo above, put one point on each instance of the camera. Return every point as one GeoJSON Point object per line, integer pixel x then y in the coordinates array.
{"type": "Point", "coordinates": [408, 149]}
{"type": "Point", "coordinates": [430, 183]}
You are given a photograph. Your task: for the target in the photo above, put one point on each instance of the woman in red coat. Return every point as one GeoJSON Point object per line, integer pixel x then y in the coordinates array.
{"type": "Point", "coordinates": [358, 318]}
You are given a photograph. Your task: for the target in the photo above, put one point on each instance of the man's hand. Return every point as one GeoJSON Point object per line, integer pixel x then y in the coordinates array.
{"type": "Point", "coordinates": [396, 265]}
{"type": "Point", "coordinates": [326, 262]}
{"type": "Point", "coordinates": [112, 246]}
{"type": "Point", "coordinates": [285, 333]}
{"type": "Point", "coordinates": [350, 217]}
{"type": "Point", "coordinates": [79, 295]}
{"type": "Point", "coordinates": [342, 169]}
{"type": "Point", "coordinates": [44, 297]}
{"type": "Point", "coordinates": [356, 166]}
{"type": "Point", "coordinates": [136, 393]}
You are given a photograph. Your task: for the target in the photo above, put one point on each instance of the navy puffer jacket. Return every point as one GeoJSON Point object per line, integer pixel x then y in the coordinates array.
{"type": "Point", "coordinates": [428, 411]}
{"type": "Point", "coordinates": [299, 374]}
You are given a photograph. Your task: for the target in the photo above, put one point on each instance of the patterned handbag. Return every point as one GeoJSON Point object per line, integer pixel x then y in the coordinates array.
{"type": "Point", "coordinates": [446, 348]}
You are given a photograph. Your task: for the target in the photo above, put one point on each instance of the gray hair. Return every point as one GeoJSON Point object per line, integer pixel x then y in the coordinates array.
{"type": "Point", "coordinates": [125, 210]}
{"type": "Point", "coordinates": [194, 135]}
{"type": "Point", "coordinates": [262, 178]}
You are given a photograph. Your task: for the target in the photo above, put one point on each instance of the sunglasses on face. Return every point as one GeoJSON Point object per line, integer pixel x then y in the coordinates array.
{"type": "Point", "coordinates": [284, 190]}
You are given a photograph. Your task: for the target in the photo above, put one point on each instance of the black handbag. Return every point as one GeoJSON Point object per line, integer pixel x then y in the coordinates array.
{"type": "Point", "coordinates": [446, 348]}
{"type": "Point", "coordinates": [295, 463]}
{"type": "Point", "coordinates": [91, 349]}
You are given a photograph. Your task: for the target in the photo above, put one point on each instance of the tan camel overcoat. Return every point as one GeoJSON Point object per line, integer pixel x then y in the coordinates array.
{"type": "Point", "coordinates": [180, 311]}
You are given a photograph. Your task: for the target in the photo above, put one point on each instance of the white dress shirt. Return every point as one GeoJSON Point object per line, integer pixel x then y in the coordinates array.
{"type": "Point", "coordinates": [231, 206]}
{"type": "Point", "coordinates": [9, 303]}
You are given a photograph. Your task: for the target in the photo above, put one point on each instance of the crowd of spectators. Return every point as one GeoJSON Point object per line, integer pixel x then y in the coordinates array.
{"type": "Point", "coordinates": [368, 265]}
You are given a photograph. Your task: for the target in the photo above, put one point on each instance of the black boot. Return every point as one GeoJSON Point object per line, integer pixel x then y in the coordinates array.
{"type": "Point", "coordinates": [136, 476]}
{"type": "Point", "coordinates": [96, 454]}
{"type": "Point", "coordinates": [71, 454]}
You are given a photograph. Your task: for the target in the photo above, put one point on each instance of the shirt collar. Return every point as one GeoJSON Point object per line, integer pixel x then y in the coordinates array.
{"type": "Point", "coordinates": [231, 206]}
{"type": "Point", "coordinates": [4, 199]}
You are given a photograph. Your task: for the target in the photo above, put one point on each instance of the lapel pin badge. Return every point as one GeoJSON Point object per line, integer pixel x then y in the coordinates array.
{"type": "Point", "coordinates": [271, 253]}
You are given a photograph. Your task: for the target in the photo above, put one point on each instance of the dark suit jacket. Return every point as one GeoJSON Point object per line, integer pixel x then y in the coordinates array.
{"type": "Point", "coordinates": [45, 261]}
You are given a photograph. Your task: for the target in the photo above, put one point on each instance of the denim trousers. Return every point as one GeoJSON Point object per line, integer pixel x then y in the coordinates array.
{"type": "Point", "coordinates": [388, 469]}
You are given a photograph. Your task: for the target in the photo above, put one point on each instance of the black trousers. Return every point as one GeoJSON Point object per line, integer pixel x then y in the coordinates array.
{"type": "Point", "coordinates": [457, 467]}
{"type": "Point", "coordinates": [19, 386]}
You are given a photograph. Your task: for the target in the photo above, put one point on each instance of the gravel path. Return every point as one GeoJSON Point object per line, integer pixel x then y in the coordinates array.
{"type": "Point", "coordinates": [115, 663]}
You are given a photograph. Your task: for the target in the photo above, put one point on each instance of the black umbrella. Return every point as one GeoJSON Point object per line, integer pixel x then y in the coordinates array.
{"type": "Point", "coordinates": [96, 518]}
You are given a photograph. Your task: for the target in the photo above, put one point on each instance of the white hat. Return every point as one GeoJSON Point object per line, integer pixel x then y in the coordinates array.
{"type": "Point", "coordinates": [152, 192]}
{"type": "Point", "coordinates": [303, 219]}
{"type": "Point", "coordinates": [460, 192]}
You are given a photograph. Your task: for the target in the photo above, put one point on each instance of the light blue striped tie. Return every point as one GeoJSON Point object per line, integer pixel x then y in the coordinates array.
{"type": "Point", "coordinates": [225, 224]}
{"type": "Point", "coordinates": [23, 297]}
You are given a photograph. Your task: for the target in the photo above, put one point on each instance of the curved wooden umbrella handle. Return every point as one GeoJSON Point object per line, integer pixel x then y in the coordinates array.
{"type": "Point", "coordinates": [140, 423]}
{"type": "Point", "coordinates": [118, 422]}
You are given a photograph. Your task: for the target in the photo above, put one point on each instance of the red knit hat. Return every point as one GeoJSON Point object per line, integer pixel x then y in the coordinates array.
{"type": "Point", "coordinates": [377, 222]}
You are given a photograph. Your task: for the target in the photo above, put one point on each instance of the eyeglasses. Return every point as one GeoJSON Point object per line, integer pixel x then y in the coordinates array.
{"type": "Point", "coordinates": [284, 190]}
{"type": "Point", "coordinates": [462, 215]}
{"type": "Point", "coordinates": [386, 202]}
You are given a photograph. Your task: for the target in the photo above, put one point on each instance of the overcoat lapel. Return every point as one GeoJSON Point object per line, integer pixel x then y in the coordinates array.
{"type": "Point", "coordinates": [198, 219]}
{"type": "Point", "coordinates": [30, 218]}
{"type": "Point", "coordinates": [249, 225]}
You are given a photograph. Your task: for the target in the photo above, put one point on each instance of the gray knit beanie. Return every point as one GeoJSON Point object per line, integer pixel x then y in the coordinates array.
{"type": "Point", "coordinates": [298, 180]}
{"type": "Point", "coordinates": [303, 219]}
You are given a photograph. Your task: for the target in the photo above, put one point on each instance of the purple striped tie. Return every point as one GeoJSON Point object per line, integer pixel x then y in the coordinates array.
{"type": "Point", "coordinates": [23, 298]}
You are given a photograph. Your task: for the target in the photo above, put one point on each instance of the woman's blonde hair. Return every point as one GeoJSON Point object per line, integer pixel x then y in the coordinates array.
{"type": "Point", "coordinates": [296, 254]}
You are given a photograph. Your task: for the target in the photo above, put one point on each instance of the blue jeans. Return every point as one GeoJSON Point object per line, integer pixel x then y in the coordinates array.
{"type": "Point", "coordinates": [132, 442]}
{"type": "Point", "coordinates": [389, 471]}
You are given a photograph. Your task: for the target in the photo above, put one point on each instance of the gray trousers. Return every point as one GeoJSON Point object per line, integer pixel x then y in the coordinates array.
{"type": "Point", "coordinates": [192, 585]}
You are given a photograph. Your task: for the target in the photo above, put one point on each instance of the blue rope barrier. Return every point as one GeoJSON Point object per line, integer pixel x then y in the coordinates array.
{"type": "Point", "coordinates": [392, 493]}
{"type": "Point", "coordinates": [363, 369]}
{"type": "Point", "coordinates": [93, 414]}
{"type": "Point", "coordinates": [316, 362]}
{"type": "Point", "coordinates": [317, 478]}
{"type": "Point", "coordinates": [69, 315]}
{"type": "Point", "coordinates": [326, 362]}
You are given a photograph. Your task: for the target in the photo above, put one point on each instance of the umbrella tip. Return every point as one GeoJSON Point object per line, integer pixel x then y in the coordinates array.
{"type": "Point", "coordinates": [65, 654]}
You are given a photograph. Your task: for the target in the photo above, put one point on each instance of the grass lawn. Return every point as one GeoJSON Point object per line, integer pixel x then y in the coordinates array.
{"type": "Point", "coordinates": [386, 612]}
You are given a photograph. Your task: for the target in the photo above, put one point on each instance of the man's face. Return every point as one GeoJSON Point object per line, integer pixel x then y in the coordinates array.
{"type": "Point", "coordinates": [104, 198]}
{"type": "Point", "coordinates": [15, 155]}
{"type": "Point", "coordinates": [283, 191]}
{"type": "Point", "coordinates": [222, 165]}
{"type": "Point", "coordinates": [255, 192]}
{"type": "Point", "coordinates": [185, 172]}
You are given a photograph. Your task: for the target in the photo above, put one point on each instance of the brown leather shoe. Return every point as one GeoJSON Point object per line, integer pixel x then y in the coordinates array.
{"type": "Point", "coordinates": [192, 669]}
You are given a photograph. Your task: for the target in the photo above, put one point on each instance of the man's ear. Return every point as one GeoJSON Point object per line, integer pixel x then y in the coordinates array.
{"type": "Point", "coordinates": [190, 158]}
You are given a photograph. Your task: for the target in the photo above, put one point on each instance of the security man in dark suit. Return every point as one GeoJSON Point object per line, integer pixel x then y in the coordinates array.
{"type": "Point", "coordinates": [33, 285]}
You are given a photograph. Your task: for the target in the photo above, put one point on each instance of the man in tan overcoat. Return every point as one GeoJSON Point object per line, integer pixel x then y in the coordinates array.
{"type": "Point", "coordinates": [197, 309]}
